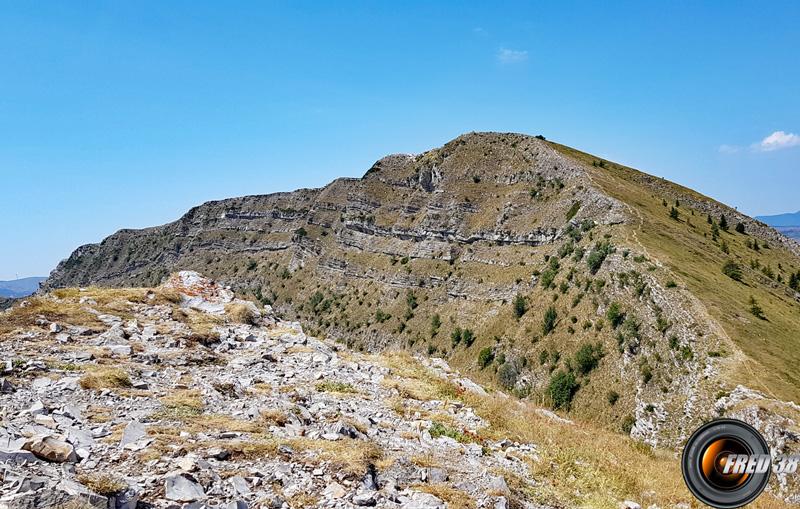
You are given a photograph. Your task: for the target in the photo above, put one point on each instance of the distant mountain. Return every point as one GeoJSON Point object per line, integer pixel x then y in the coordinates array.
{"type": "Point", "coordinates": [20, 287]}
{"type": "Point", "coordinates": [521, 261]}
{"type": "Point", "coordinates": [790, 219]}
{"type": "Point", "coordinates": [787, 224]}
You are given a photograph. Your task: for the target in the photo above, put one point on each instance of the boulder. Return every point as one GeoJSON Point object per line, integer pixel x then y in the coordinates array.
{"type": "Point", "coordinates": [51, 449]}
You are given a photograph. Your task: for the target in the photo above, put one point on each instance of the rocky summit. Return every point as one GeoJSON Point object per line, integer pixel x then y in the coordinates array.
{"type": "Point", "coordinates": [500, 322]}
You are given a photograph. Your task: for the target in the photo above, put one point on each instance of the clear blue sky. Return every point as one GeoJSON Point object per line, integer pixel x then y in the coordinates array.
{"type": "Point", "coordinates": [125, 114]}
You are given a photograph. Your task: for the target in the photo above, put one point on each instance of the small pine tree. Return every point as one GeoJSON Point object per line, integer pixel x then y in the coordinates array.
{"type": "Point", "coordinates": [794, 281]}
{"type": "Point", "coordinates": [673, 213]}
{"type": "Point", "coordinates": [723, 223]}
{"type": "Point", "coordinates": [739, 228]}
{"type": "Point", "coordinates": [755, 309]}
{"type": "Point", "coordinates": [732, 270]}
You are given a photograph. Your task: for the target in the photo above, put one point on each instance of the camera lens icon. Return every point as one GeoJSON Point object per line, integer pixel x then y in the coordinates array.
{"type": "Point", "coordinates": [726, 463]}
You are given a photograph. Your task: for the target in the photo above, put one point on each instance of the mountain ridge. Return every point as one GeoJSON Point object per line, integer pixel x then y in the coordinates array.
{"type": "Point", "coordinates": [786, 219]}
{"type": "Point", "coordinates": [463, 251]}
{"type": "Point", "coordinates": [20, 287]}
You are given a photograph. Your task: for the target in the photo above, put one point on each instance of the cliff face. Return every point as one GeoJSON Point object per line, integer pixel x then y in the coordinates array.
{"type": "Point", "coordinates": [548, 272]}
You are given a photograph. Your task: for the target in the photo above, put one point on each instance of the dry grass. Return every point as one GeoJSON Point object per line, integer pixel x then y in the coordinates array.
{"type": "Point", "coordinates": [303, 500]}
{"type": "Point", "coordinates": [424, 460]}
{"type": "Point", "coordinates": [352, 456]}
{"type": "Point", "coordinates": [203, 325]}
{"type": "Point", "coordinates": [105, 378]}
{"type": "Point", "coordinates": [333, 386]}
{"type": "Point", "coordinates": [182, 404]}
{"type": "Point", "coordinates": [455, 499]}
{"type": "Point", "coordinates": [580, 464]}
{"type": "Point", "coordinates": [413, 381]}
{"type": "Point", "coordinates": [274, 416]}
{"type": "Point", "coordinates": [241, 313]}
{"type": "Point", "coordinates": [253, 449]}
{"type": "Point", "coordinates": [104, 484]}
{"type": "Point", "coordinates": [49, 309]}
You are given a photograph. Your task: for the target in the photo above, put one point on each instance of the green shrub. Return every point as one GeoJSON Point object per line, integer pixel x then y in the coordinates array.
{"type": "Point", "coordinates": [723, 222]}
{"type": "Point", "coordinates": [647, 372]}
{"type": "Point", "coordinates": [468, 337]}
{"type": "Point", "coordinates": [436, 322]}
{"type": "Point", "coordinates": [615, 315]}
{"type": "Point", "coordinates": [627, 423]}
{"type": "Point", "coordinates": [381, 317]}
{"type": "Point", "coordinates": [573, 210]}
{"type": "Point", "coordinates": [562, 389]}
{"type": "Point", "coordinates": [507, 375]}
{"type": "Point", "coordinates": [547, 277]}
{"type": "Point", "coordinates": [455, 336]}
{"type": "Point", "coordinates": [587, 357]}
{"type": "Point", "coordinates": [485, 357]}
{"type": "Point", "coordinates": [566, 249]}
{"type": "Point", "coordinates": [598, 255]}
{"type": "Point", "coordinates": [549, 320]}
{"type": "Point", "coordinates": [613, 397]}
{"type": "Point", "coordinates": [520, 306]}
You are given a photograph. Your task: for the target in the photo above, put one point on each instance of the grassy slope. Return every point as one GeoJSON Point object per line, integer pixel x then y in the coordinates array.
{"type": "Point", "coordinates": [771, 345]}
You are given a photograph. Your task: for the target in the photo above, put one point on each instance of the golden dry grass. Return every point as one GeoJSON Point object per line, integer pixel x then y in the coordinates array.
{"type": "Point", "coordinates": [241, 313]}
{"type": "Point", "coordinates": [102, 483]}
{"type": "Point", "coordinates": [580, 464]}
{"type": "Point", "coordinates": [105, 378]}
{"type": "Point", "coordinates": [49, 309]}
{"type": "Point", "coordinates": [455, 498]}
{"type": "Point", "coordinates": [181, 404]}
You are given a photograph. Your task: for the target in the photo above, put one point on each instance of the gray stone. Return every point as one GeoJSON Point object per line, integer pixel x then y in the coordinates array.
{"type": "Point", "coordinates": [134, 431]}
{"type": "Point", "coordinates": [182, 487]}
{"type": "Point", "coordinates": [334, 490]}
{"type": "Point", "coordinates": [437, 475]}
{"type": "Point", "coordinates": [364, 499]}
{"type": "Point", "coordinates": [17, 457]}
{"type": "Point", "coordinates": [240, 485]}
{"type": "Point", "coordinates": [37, 409]}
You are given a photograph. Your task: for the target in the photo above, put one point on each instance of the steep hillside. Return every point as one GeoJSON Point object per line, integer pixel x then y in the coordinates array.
{"type": "Point", "coordinates": [569, 280]}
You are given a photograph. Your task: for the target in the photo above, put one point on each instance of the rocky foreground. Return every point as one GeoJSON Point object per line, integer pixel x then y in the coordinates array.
{"type": "Point", "coordinates": [134, 410]}
{"type": "Point", "coordinates": [183, 396]}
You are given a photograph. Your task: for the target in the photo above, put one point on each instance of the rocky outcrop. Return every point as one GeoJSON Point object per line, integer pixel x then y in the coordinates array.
{"type": "Point", "coordinates": [487, 236]}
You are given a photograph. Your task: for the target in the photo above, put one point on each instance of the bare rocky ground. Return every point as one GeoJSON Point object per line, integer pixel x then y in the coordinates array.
{"type": "Point", "coordinates": [138, 412]}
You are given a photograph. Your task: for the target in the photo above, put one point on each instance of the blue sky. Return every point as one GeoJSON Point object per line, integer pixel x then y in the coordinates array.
{"type": "Point", "coordinates": [126, 114]}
